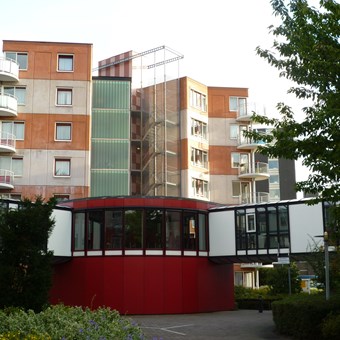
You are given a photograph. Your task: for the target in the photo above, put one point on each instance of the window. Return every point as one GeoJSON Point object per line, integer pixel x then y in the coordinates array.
{"type": "Point", "coordinates": [173, 230]}
{"type": "Point", "coordinates": [153, 229]}
{"type": "Point", "coordinates": [236, 188]}
{"type": "Point", "coordinates": [19, 130]}
{"type": "Point", "coordinates": [20, 57]}
{"type": "Point", "coordinates": [198, 128]}
{"type": "Point", "coordinates": [274, 179]}
{"type": "Point", "coordinates": [64, 97]}
{"type": "Point", "coordinates": [133, 229]}
{"type": "Point", "coordinates": [202, 225]}
{"type": "Point", "coordinates": [238, 159]}
{"type": "Point", "coordinates": [273, 164]}
{"type": "Point", "coordinates": [113, 229]}
{"type": "Point", "coordinates": [234, 131]}
{"type": "Point", "coordinates": [199, 187]}
{"type": "Point", "coordinates": [65, 63]}
{"type": "Point", "coordinates": [17, 91]}
{"type": "Point", "coordinates": [251, 223]}
{"type": "Point", "coordinates": [198, 100]}
{"type": "Point", "coordinates": [199, 158]}
{"type": "Point", "coordinates": [63, 131]}
{"type": "Point", "coordinates": [238, 104]}
{"type": "Point", "coordinates": [17, 166]}
{"type": "Point", "coordinates": [189, 231]}
{"type": "Point", "coordinates": [62, 167]}
{"type": "Point", "coordinates": [79, 231]}
{"type": "Point", "coordinates": [94, 229]}
{"type": "Point", "coordinates": [61, 197]}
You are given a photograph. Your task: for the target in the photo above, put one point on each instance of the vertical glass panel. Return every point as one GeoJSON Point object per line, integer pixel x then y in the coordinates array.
{"type": "Point", "coordinates": [109, 182]}
{"type": "Point", "coordinates": [113, 229]}
{"type": "Point", "coordinates": [133, 229]}
{"type": "Point", "coordinates": [189, 230]}
{"type": "Point", "coordinates": [251, 241]}
{"type": "Point", "coordinates": [79, 231]}
{"type": "Point", "coordinates": [202, 232]}
{"type": "Point", "coordinates": [17, 166]}
{"type": "Point", "coordinates": [232, 103]}
{"type": "Point", "coordinates": [154, 229]}
{"type": "Point", "coordinates": [19, 130]}
{"type": "Point", "coordinates": [173, 230]}
{"type": "Point", "coordinates": [94, 229]}
{"type": "Point", "coordinates": [283, 218]}
{"type": "Point", "coordinates": [272, 220]}
{"type": "Point", "coordinates": [241, 229]}
{"type": "Point", "coordinates": [262, 228]}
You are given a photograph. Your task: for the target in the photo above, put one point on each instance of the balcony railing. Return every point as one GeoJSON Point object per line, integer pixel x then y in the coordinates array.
{"type": "Point", "coordinates": [8, 105]}
{"type": "Point", "coordinates": [245, 113]}
{"type": "Point", "coordinates": [9, 70]}
{"type": "Point", "coordinates": [248, 143]}
{"type": "Point", "coordinates": [7, 142]}
{"type": "Point", "coordinates": [6, 179]}
{"type": "Point", "coordinates": [258, 197]}
{"type": "Point", "coordinates": [258, 171]}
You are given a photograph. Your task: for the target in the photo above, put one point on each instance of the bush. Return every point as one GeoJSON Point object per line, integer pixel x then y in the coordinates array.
{"type": "Point", "coordinates": [330, 328]}
{"type": "Point", "coordinates": [61, 322]}
{"type": "Point", "coordinates": [301, 316]}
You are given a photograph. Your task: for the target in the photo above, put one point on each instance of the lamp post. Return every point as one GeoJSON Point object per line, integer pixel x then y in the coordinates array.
{"type": "Point", "coordinates": [325, 244]}
{"type": "Point", "coordinates": [325, 241]}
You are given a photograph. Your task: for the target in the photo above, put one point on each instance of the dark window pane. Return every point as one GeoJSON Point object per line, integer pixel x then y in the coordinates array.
{"type": "Point", "coordinates": [113, 229]}
{"type": "Point", "coordinates": [133, 229]}
{"type": "Point", "coordinates": [189, 231]}
{"type": "Point", "coordinates": [94, 229]}
{"type": "Point", "coordinates": [154, 229]}
{"type": "Point", "coordinates": [173, 230]}
{"type": "Point", "coordinates": [79, 231]}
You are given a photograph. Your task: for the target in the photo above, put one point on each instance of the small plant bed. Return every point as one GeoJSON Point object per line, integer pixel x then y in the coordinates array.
{"type": "Point", "coordinates": [66, 323]}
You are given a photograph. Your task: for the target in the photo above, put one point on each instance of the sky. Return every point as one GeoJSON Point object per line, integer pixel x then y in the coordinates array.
{"type": "Point", "coordinates": [217, 37]}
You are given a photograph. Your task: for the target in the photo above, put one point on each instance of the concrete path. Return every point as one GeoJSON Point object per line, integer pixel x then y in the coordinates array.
{"type": "Point", "coordinates": [240, 324]}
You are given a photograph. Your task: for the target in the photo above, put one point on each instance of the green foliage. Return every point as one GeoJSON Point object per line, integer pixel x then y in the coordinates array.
{"type": "Point", "coordinates": [278, 279]}
{"type": "Point", "coordinates": [241, 292]}
{"type": "Point", "coordinates": [301, 316]}
{"type": "Point", "coordinates": [306, 50]}
{"type": "Point", "coordinates": [61, 322]}
{"type": "Point", "coordinates": [25, 262]}
{"type": "Point", "coordinates": [330, 327]}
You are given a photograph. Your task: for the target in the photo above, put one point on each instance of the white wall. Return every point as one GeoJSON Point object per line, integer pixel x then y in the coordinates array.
{"type": "Point", "coordinates": [60, 238]}
{"type": "Point", "coordinates": [222, 233]}
{"type": "Point", "coordinates": [305, 223]}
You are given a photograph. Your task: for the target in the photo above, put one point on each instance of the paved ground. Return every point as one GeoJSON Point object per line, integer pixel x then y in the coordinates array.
{"type": "Point", "coordinates": [240, 324]}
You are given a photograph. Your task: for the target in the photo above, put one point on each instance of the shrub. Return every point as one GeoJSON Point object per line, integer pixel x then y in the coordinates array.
{"type": "Point", "coordinates": [301, 315]}
{"type": "Point", "coordinates": [61, 322]}
{"type": "Point", "coordinates": [330, 327]}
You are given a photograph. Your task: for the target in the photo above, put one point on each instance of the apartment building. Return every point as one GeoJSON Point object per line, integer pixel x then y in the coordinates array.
{"type": "Point", "coordinates": [45, 108]}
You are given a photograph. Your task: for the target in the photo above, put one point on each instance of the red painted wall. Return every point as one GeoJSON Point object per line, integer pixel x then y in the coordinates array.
{"type": "Point", "coordinates": [145, 284]}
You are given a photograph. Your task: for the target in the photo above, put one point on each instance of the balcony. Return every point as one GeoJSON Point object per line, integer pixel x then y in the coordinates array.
{"type": "Point", "coordinates": [7, 142]}
{"type": "Point", "coordinates": [259, 197]}
{"type": "Point", "coordinates": [6, 179]}
{"type": "Point", "coordinates": [247, 143]}
{"type": "Point", "coordinates": [245, 113]}
{"type": "Point", "coordinates": [8, 105]}
{"type": "Point", "coordinates": [258, 171]}
{"type": "Point", "coordinates": [9, 70]}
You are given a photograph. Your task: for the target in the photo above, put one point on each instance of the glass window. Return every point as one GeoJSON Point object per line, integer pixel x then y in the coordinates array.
{"type": "Point", "coordinates": [189, 231]}
{"type": "Point", "coordinates": [238, 278]}
{"type": "Point", "coordinates": [198, 100]}
{"type": "Point", "coordinates": [274, 179]}
{"type": "Point", "coordinates": [64, 97]}
{"type": "Point", "coordinates": [234, 131]}
{"type": "Point", "coordinates": [235, 159]}
{"type": "Point", "coordinates": [202, 232]}
{"type": "Point", "coordinates": [199, 158]}
{"type": "Point", "coordinates": [17, 166]}
{"type": "Point", "coordinates": [273, 164]}
{"type": "Point", "coordinates": [232, 103]}
{"type": "Point", "coordinates": [274, 194]}
{"type": "Point", "coordinates": [153, 229]}
{"type": "Point", "coordinates": [199, 188]}
{"type": "Point", "coordinates": [19, 130]}
{"type": "Point", "coordinates": [283, 218]}
{"type": "Point", "coordinates": [79, 231]}
{"type": "Point", "coordinates": [65, 63]}
{"type": "Point", "coordinates": [261, 220]}
{"type": "Point", "coordinates": [63, 131]}
{"type": "Point", "coordinates": [240, 229]}
{"type": "Point", "coordinates": [272, 220]}
{"type": "Point", "coordinates": [20, 57]}
{"type": "Point", "coordinates": [251, 223]}
{"type": "Point", "coordinates": [61, 197]}
{"type": "Point", "coordinates": [94, 229]}
{"type": "Point", "coordinates": [113, 229]}
{"type": "Point", "coordinates": [236, 188]}
{"type": "Point", "coordinates": [62, 167]}
{"type": "Point", "coordinates": [198, 129]}
{"type": "Point", "coordinates": [133, 229]}
{"type": "Point", "coordinates": [251, 238]}
{"type": "Point", "coordinates": [173, 230]}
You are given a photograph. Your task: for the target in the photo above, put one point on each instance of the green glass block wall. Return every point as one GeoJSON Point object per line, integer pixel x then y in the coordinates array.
{"type": "Point", "coordinates": [110, 139]}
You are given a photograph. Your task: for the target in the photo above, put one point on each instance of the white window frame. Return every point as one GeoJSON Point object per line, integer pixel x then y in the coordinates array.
{"type": "Point", "coordinates": [65, 56]}
{"type": "Point", "coordinates": [199, 128]}
{"type": "Point", "coordinates": [199, 158]}
{"type": "Point", "coordinates": [61, 90]}
{"type": "Point", "coordinates": [7, 90]}
{"type": "Point", "coordinates": [64, 160]}
{"type": "Point", "coordinates": [15, 130]}
{"type": "Point", "coordinates": [199, 187]}
{"type": "Point", "coordinates": [65, 124]}
{"type": "Point", "coordinates": [198, 100]}
{"type": "Point", "coordinates": [251, 223]}
{"type": "Point", "coordinates": [21, 159]}
{"type": "Point", "coordinates": [16, 58]}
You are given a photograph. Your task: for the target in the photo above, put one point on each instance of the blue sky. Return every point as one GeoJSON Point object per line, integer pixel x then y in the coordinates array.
{"type": "Point", "coordinates": [217, 37]}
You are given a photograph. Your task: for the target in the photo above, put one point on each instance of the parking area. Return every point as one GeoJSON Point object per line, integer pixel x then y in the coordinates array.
{"type": "Point", "coordinates": [240, 324]}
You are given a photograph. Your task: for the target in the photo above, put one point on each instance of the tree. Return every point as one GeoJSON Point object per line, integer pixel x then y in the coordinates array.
{"type": "Point", "coordinates": [25, 262]}
{"type": "Point", "coordinates": [306, 51]}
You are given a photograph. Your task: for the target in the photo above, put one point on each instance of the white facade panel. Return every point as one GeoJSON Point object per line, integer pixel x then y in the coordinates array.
{"type": "Point", "coordinates": [60, 239]}
{"type": "Point", "coordinates": [305, 223]}
{"type": "Point", "coordinates": [222, 233]}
